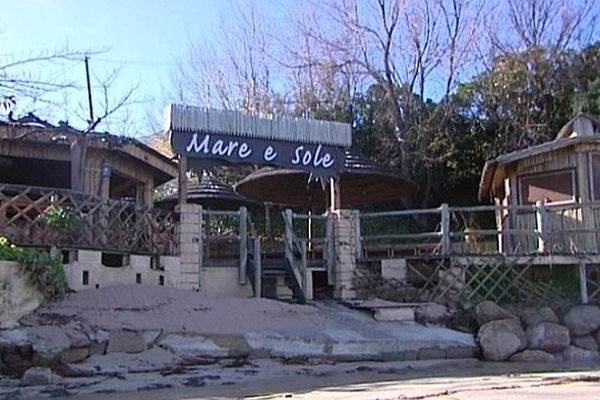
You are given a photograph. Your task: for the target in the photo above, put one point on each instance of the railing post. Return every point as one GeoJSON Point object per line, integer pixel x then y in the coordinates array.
{"type": "Point", "coordinates": [330, 248]}
{"type": "Point", "coordinates": [243, 232]}
{"type": "Point", "coordinates": [583, 287]}
{"type": "Point", "coordinates": [357, 238]}
{"type": "Point", "coordinates": [257, 269]}
{"type": "Point", "coordinates": [304, 263]}
{"type": "Point", "coordinates": [289, 233]}
{"type": "Point", "coordinates": [540, 220]}
{"type": "Point", "coordinates": [445, 228]}
{"type": "Point", "coordinates": [200, 245]}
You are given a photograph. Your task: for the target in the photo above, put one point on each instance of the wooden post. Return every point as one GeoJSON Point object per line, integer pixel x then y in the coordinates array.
{"type": "Point", "coordinates": [289, 233]}
{"type": "Point", "coordinates": [268, 220]}
{"type": "Point", "coordinates": [540, 219]}
{"type": "Point", "coordinates": [445, 228]}
{"type": "Point", "coordinates": [243, 232]}
{"type": "Point", "coordinates": [200, 246]}
{"type": "Point", "coordinates": [257, 269]}
{"type": "Point", "coordinates": [304, 263]}
{"type": "Point", "coordinates": [583, 288]}
{"type": "Point", "coordinates": [330, 248]}
{"type": "Point", "coordinates": [335, 202]}
{"type": "Point", "coordinates": [357, 235]}
{"type": "Point", "coordinates": [182, 180]}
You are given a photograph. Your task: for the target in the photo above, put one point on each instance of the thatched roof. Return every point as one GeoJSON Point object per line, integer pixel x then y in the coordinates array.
{"type": "Point", "coordinates": [362, 183]}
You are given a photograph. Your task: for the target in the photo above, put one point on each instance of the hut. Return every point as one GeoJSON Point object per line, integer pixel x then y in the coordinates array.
{"type": "Point", "coordinates": [547, 196]}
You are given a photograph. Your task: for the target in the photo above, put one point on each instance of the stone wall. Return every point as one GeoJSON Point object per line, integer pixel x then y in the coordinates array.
{"type": "Point", "coordinates": [17, 296]}
{"type": "Point", "coordinates": [344, 231]}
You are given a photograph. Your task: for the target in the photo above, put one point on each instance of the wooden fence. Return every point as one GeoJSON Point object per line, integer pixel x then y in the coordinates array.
{"type": "Point", "coordinates": [45, 217]}
{"type": "Point", "coordinates": [539, 229]}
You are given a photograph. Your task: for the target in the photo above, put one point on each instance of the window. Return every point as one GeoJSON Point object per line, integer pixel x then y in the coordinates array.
{"type": "Point", "coordinates": [595, 176]}
{"type": "Point", "coordinates": [552, 187]}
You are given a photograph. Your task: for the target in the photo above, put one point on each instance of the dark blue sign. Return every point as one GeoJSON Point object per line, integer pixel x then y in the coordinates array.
{"type": "Point", "coordinates": [321, 160]}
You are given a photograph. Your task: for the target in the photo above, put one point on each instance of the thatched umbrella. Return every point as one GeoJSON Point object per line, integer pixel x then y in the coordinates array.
{"type": "Point", "coordinates": [363, 183]}
{"type": "Point", "coordinates": [210, 193]}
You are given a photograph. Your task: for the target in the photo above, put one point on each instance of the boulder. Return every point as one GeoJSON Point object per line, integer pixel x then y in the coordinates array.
{"type": "Point", "coordinates": [501, 339]}
{"type": "Point", "coordinates": [125, 341]}
{"type": "Point", "coordinates": [531, 317]}
{"type": "Point", "coordinates": [74, 355]}
{"type": "Point", "coordinates": [48, 343]}
{"type": "Point", "coordinates": [487, 311]}
{"type": "Point", "coordinates": [39, 376]}
{"type": "Point", "coordinates": [547, 336]}
{"type": "Point", "coordinates": [532, 356]}
{"type": "Point", "coordinates": [586, 343]}
{"type": "Point", "coordinates": [573, 353]}
{"type": "Point", "coordinates": [582, 319]}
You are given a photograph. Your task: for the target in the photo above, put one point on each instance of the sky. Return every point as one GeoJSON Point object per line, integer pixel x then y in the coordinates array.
{"type": "Point", "coordinates": [143, 38]}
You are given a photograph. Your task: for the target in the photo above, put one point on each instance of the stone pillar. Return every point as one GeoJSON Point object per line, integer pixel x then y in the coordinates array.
{"type": "Point", "coordinates": [190, 246]}
{"type": "Point", "coordinates": [345, 253]}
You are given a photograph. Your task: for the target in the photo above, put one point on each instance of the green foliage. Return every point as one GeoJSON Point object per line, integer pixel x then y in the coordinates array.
{"type": "Point", "coordinates": [63, 219]}
{"type": "Point", "coordinates": [44, 272]}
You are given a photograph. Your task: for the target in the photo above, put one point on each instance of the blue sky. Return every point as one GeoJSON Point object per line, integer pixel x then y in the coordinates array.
{"type": "Point", "coordinates": [145, 39]}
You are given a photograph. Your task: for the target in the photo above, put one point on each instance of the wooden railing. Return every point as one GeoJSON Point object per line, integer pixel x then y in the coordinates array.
{"type": "Point", "coordinates": [95, 223]}
{"type": "Point", "coordinates": [539, 229]}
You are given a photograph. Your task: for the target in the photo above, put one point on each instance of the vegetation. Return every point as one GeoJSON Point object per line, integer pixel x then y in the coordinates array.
{"type": "Point", "coordinates": [63, 219]}
{"type": "Point", "coordinates": [43, 271]}
{"type": "Point", "coordinates": [432, 89]}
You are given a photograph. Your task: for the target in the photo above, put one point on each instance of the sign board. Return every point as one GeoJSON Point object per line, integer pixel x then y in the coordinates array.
{"type": "Point", "coordinates": [216, 136]}
{"type": "Point", "coordinates": [321, 160]}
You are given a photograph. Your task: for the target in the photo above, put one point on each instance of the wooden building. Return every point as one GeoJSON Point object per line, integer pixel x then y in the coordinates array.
{"type": "Point", "coordinates": [110, 202]}
{"type": "Point", "coordinates": [548, 196]}
{"type": "Point", "coordinates": [36, 153]}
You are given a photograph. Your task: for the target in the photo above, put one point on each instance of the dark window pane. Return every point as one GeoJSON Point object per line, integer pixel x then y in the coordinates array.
{"type": "Point", "coordinates": [552, 187]}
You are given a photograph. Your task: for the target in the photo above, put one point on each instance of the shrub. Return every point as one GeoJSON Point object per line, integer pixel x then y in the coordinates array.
{"type": "Point", "coordinates": [45, 272]}
{"type": "Point", "coordinates": [63, 219]}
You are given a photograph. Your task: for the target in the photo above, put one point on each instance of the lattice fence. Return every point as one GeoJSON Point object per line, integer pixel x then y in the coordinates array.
{"type": "Point", "coordinates": [593, 283]}
{"type": "Point", "coordinates": [491, 278]}
{"type": "Point", "coordinates": [101, 224]}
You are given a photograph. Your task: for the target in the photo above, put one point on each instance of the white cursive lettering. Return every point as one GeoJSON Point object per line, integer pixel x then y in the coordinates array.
{"type": "Point", "coordinates": [202, 147]}
{"type": "Point", "coordinates": [269, 154]}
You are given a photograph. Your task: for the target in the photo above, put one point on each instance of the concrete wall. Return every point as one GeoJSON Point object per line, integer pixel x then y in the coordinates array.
{"type": "Point", "coordinates": [222, 282]}
{"type": "Point", "coordinates": [90, 262]}
{"type": "Point", "coordinates": [17, 296]}
{"type": "Point", "coordinates": [218, 281]}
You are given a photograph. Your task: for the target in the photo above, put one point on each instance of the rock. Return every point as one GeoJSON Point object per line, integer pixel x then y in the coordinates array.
{"type": "Point", "coordinates": [48, 343]}
{"type": "Point", "coordinates": [38, 376]}
{"type": "Point", "coordinates": [582, 319]}
{"type": "Point", "coordinates": [192, 346]}
{"type": "Point", "coordinates": [10, 339]}
{"type": "Point", "coordinates": [547, 336]}
{"type": "Point", "coordinates": [531, 317]}
{"type": "Point", "coordinates": [586, 343]}
{"type": "Point", "coordinates": [573, 353]}
{"type": "Point", "coordinates": [74, 355]}
{"type": "Point", "coordinates": [150, 337]}
{"type": "Point", "coordinates": [533, 356]}
{"type": "Point", "coordinates": [501, 339]}
{"type": "Point", "coordinates": [124, 341]}
{"type": "Point", "coordinates": [432, 313]}
{"type": "Point", "coordinates": [77, 336]}
{"type": "Point", "coordinates": [487, 311]}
